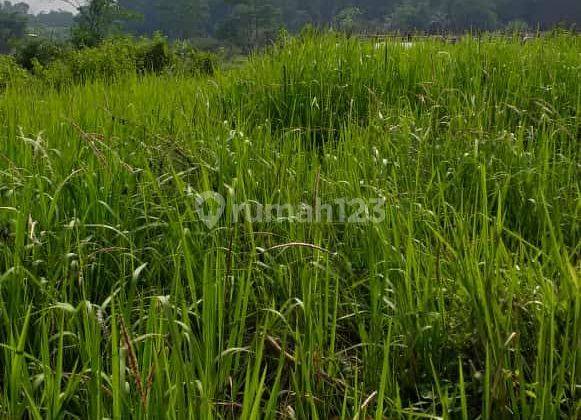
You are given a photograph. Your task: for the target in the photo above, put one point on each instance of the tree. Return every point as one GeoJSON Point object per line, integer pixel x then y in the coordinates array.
{"type": "Point", "coordinates": [95, 21]}
{"type": "Point", "coordinates": [251, 23]}
{"type": "Point", "coordinates": [179, 19]}
{"type": "Point", "coordinates": [349, 19]}
{"type": "Point", "coordinates": [409, 16]}
{"type": "Point", "coordinates": [54, 24]}
{"type": "Point", "coordinates": [13, 20]}
{"type": "Point", "coordinates": [477, 14]}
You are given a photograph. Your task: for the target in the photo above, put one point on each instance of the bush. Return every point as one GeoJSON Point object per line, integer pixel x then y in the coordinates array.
{"type": "Point", "coordinates": [153, 56]}
{"type": "Point", "coordinates": [118, 56]}
{"type": "Point", "coordinates": [58, 66]}
{"type": "Point", "coordinates": [38, 52]}
{"type": "Point", "coordinates": [191, 61]}
{"type": "Point", "coordinates": [516, 27]}
{"type": "Point", "coordinates": [10, 72]}
{"type": "Point", "coordinates": [108, 61]}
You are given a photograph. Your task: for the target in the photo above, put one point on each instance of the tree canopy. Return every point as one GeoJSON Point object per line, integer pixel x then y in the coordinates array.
{"type": "Point", "coordinates": [13, 20]}
{"type": "Point", "coordinates": [250, 23]}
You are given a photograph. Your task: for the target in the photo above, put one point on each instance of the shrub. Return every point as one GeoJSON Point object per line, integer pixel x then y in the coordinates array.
{"type": "Point", "coordinates": [191, 61]}
{"type": "Point", "coordinates": [10, 72]}
{"type": "Point", "coordinates": [119, 56]}
{"type": "Point", "coordinates": [38, 51]}
{"type": "Point", "coordinates": [109, 60]}
{"type": "Point", "coordinates": [516, 27]}
{"type": "Point", "coordinates": [153, 55]}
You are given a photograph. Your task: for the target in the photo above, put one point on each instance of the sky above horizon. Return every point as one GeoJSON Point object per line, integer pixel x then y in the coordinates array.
{"type": "Point", "coordinates": [37, 6]}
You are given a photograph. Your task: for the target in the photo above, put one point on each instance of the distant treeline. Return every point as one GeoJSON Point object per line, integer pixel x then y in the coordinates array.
{"type": "Point", "coordinates": [250, 23]}
{"type": "Point", "coordinates": [246, 20]}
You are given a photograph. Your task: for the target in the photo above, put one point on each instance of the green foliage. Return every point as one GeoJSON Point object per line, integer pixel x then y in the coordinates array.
{"type": "Point", "coordinates": [117, 301]}
{"type": "Point", "coordinates": [473, 14]}
{"type": "Point", "coordinates": [153, 56]}
{"type": "Point", "coordinates": [410, 16]}
{"type": "Point", "coordinates": [517, 27]}
{"type": "Point", "coordinates": [110, 60]}
{"type": "Point", "coordinates": [53, 25]}
{"type": "Point", "coordinates": [10, 73]}
{"type": "Point", "coordinates": [251, 23]}
{"type": "Point", "coordinates": [348, 20]}
{"type": "Point", "coordinates": [183, 19]}
{"type": "Point", "coordinates": [13, 20]}
{"type": "Point", "coordinates": [95, 21]}
{"type": "Point", "coordinates": [189, 60]}
{"type": "Point", "coordinates": [38, 52]}
{"type": "Point", "coordinates": [178, 19]}
{"type": "Point", "coordinates": [240, 26]}
{"type": "Point", "coordinates": [118, 57]}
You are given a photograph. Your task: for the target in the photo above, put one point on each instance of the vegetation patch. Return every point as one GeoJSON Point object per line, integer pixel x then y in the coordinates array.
{"type": "Point", "coordinates": [118, 299]}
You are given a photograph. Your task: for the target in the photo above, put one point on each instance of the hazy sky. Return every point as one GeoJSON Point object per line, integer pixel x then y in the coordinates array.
{"type": "Point", "coordinates": [39, 5]}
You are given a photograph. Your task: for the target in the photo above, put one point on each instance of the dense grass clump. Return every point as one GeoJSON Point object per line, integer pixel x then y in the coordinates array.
{"type": "Point", "coordinates": [58, 65]}
{"type": "Point", "coordinates": [116, 300]}
{"type": "Point", "coordinates": [10, 72]}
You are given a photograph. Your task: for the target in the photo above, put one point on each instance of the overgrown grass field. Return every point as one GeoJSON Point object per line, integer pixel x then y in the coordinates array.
{"type": "Point", "coordinates": [117, 301]}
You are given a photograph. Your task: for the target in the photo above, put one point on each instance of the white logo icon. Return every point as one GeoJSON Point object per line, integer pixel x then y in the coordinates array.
{"type": "Point", "coordinates": [210, 207]}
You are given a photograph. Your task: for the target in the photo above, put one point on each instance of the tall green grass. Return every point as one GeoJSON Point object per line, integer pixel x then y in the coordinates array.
{"type": "Point", "coordinates": [117, 301]}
